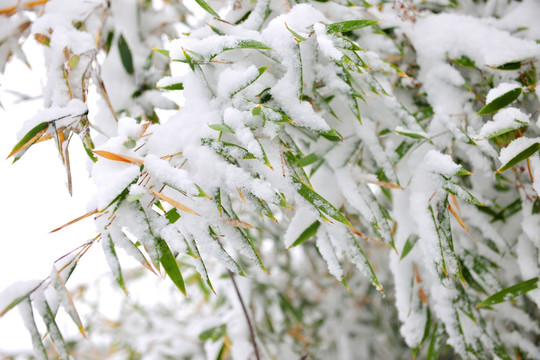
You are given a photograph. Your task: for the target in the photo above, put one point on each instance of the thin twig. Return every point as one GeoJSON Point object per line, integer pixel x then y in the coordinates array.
{"type": "Point", "coordinates": [250, 325]}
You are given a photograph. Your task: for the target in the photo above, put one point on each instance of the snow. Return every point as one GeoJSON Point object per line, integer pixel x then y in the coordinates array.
{"type": "Point", "coordinates": [516, 147]}
{"type": "Point", "coordinates": [507, 118]}
{"type": "Point", "coordinates": [500, 90]}
{"type": "Point", "coordinates": [15, 291]}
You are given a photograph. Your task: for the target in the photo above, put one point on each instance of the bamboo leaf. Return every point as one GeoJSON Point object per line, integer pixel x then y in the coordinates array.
{"type": "Point", "coordinates": [30, 324]}
{"type": "Point", "coordinates": [112, 261]}
{"type": "Point", "coordinates": [296, 168]}
{"type": "Point", "coordinates": [350, 25]}
{"type": "Point", "coordinates": [238, 224]}
{"type": "Point", "coordinates": [222, 128]}
{"type": "Point", "coordinates": [321, 203]}
{"type": "Point", "coordinates": [207, 7]}
{"type": "Point", "coordinates": [409, 245]}
{"type": "Point", "coordinates": [52, 328]}
{"type": "Point", "coordinates": [500, 102]}
{"type": "Point", "coordinates": [251, 81]}
{"type": "Point", "coordinates": [162, 52]}
{"type": "Point", "coordinates": [173, 202]}
{"type": "Point", "coordinates": [170, 265]}
{"type": "Point", "coordinates": [307, 234]}
{"type": "Point", "coordinates": [203, 271]}
{"type": "Point", "coordinates": [125, 55]}
{"type": "Point", "coordinates": [29, 139]}
{"type": "Point", "coordinates": [177, 86]}
{"type": "Point", "coordinates": [16, 297]}
{"type": "Point", "coordinates": [519, 157]}
{"type": "Point", "coordinates": [117, 157]}
{"type": "Point", "coordinates": [457, 190]}
{"type": "Point", "coordinates": [510, 293]}
{"type": "Point", "coordinates": [65, 299]}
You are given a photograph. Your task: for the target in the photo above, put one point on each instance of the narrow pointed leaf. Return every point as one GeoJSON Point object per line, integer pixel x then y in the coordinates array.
{"type": "Point", "coordinates": [30, 138]}
{"type": "Point", "coordinates": [510, 293]}
{"type": "Point", "coordinates": [500, 102]}
{"type": "Point", "coordinates": [409, 245]}
{"type": "Point", "coordinates": [457, 190]}
{"type": "Point", "coordinates": [307, 234]}
{"type": "Point", "coordinates": [519, 157]}
{"type": "Point", "coordinates": [170, 265]}
{"type": "Point", "coordinates": [125, 55]}
{"type": "Point", "coordinates": [321, 203]}
{"type": "Point", "coordinates": [117, 157]}
{"type": "Point", "coordinates": [173, 202]}
{"type": "Point", "coordinates": [30, 324]}
{"type": "Point", "coordinates": [112, 261]}
{"type": "Point", "coordinates": [350, 25]}
{"type": "Point", "coordinates": [222, 127]}
{"type": "Point", "coordinates": [65, 299]}
{"type": "Point", "coordinates": [14, 294]}
{"type": "Point", "coordinates": [53, 330]}
{"type": "Point", "coordinates": [207, 7]}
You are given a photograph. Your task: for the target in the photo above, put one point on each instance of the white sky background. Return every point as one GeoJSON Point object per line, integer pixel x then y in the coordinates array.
{"type": "Point", "coordinates": [34, 197]}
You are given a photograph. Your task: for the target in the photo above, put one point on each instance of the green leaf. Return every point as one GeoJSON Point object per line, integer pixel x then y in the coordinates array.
{"type": "Point", "coordinates": [30, 324]}
{"type": "Point", "coordinates": [125, 55]}
{"type": "Point", "coordinates": [17, 300]}
{"type": "Point", "coordinates": [53, 330]}
{"type": "Point", "coordinates": [177, 86]}
{"type": "Point", "coordinates": [498, 103]}
{"type": "Point", "coordinates": [435, 343]}
{"type": "Point", "coordinates": [112, 261]}
{"type": "Point", "coordinates": [250, 44]}
{"type": "Point", "coordinates": [297, 37]}
{"type": "Point", "coordinates": [172, 215]}
{"type": "Point", "coordinates": [464, 61]}
{"type": "Point", "coordinates": [519, 157]}
{"type": "Point", "coordinates": [457, 190]}
{"type": "Point", "coordinates": [162, 52]}
{"type": "Point", "coordinates": [251, 81]}
{"type": "Point", "coordinates": [130, 143]}
{"type": "Point", "coordinates": [409, 245]}
{"type": "Point", "coordinates": [331, 135]}
{"type": "Point", "coordinates": [350, 25]}
{"type": "Point", "coordinates": [207, 7]}
{"type": "Point", "coordinates": [320, 203]}
{"type": "Point", "coordinates": [222, 128]}
{"type": "Point", "coordinates": [170, 265]}
{"type": "Point", "coordinates": [411, 134]}
{"type": "Point", "coordinates": [307, 234]}
{"type": "Point", "coordinates": [510, 293]}
{"type": "Point", "coordinates": [203, 271]}
{"type": "Point", "coordinates": [515, 65]}
{"type": "Point", "coordinates": [296, 168]}
{"type": "Point", "coordinates": [504, 131]}
{"type": "Point", "coordinates": [227, 149]}
{"type": "Point", "coordinates": [65, 298]}
{"type": "Point", "coordinates": [214, 333]}
{"type": "Point", "coordinates": [29, 139]}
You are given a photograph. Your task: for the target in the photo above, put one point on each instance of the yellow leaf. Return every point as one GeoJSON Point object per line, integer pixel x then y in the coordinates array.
{"type": "Point", "coordinates": [75, 220]}
{"type": "Point", "coordinates": [118, 157]}
{"type": "Point", "coordinates": [173, 202]}
{"type": "Point", "coordinates": [238, 223]}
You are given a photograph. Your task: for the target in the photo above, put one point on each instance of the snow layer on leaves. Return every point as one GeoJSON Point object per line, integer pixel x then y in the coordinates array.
{"type": "Point", "coordinates": [166, 173]}
{"type": "Point", "coordinates": [500, 90]}
{"type": "Point", "coordinates": [15, 291]}
{"type": "Point", "coordinates": [516, 147]}
{"type": "Point", "coordinates": [508, 118]}
{"type": "Point", "coordinates": [67, 115]}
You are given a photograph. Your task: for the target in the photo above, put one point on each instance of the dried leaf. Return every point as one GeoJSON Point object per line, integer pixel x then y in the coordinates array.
{"type": "Point", "coordinates": [173, 202]}
{"type": "Point", "coordinates": [118, 157]}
